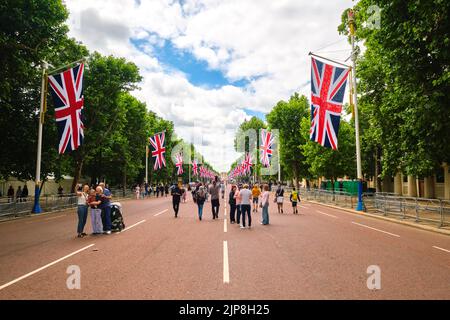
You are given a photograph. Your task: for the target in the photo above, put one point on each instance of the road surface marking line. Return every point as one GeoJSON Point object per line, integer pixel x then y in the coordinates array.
{"type": "Point", "coordinates": [327, 214]}
{"type": "Point", "coordinates": [159, 213]}
{"type": "Point", "coordinates": [441, 249]}
{"type": "Point", "coordinates": [225, 225]}
{"type": "Point", "coordinates": [134, 225]}
{"type": "Point", "coordinates": [44, 267]}
{"type": "Point", "coordinates": [226, 268]}
{"type": "Point", "coordinates": [363, 225]}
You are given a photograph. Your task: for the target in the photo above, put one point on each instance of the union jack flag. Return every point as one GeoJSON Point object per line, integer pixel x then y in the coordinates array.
{"type": "Point", "coordinates": [69, 101]}
{"type": "Point", "coordinates": [266, 147]}
{"type": "Point", "coordinates": [195, 167]}
{"type": "Point", "coordinates": [179, 164]}
{"type": "Point", "coordinates": [159, 150]}
{"type": "Point", "coordinates": [247, 164]}
{"type": "Point", "coordinates": [327, 93]}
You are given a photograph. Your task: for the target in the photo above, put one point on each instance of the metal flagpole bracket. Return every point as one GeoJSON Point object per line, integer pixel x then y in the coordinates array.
{"type": "Point", "coordinates": [67, 66]}
{"type": "Point", "coordinates": [333, 61]}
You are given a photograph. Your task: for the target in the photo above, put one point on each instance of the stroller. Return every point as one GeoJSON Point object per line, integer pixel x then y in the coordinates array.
{"type": "Point", "coordinates": [117, 223]}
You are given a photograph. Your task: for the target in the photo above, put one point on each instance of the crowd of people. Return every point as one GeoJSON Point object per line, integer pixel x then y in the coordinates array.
{"type": "Point", "coordinates": [146, 190]}
{"type": "Point", "coordinates": [21, 195]}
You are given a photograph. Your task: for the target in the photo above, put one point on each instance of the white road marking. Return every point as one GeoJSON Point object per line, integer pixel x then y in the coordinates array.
{"type": "Point", "coordinates": [44, 267]}
{"type": "Point", "coordinates": [159, 213]}
{"type": "Point", "coordinates": [226, 268]}
{"type": "Point", "coordinates": [134, 225]}
{"type": "Point", "coordinates": [363, 225]}
{"type": "Point", "coordinates": [327, 214]}
{"type": "Point", "coordinates": [441, 249]}
{"type": "Point", "coordinates": [225, 225]}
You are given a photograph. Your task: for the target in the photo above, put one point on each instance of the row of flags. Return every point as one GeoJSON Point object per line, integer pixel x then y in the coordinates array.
{"type": "Point", "coordinates": [328, 83]}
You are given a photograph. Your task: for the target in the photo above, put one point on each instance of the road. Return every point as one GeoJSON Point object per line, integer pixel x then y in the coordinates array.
{"type": "Point", "coordinates": [322, 253]}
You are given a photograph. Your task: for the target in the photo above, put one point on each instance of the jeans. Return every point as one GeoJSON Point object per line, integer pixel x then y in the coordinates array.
{"type": "Point", "coordinates": [107, 211]}
{"type": "Point", "coordinates": [96, 220]}
{"type": "Point", "coordinates": [245, 209]}
{"type": "Point", "coordinates": [82, 211]}
{"type": "Point", "coordinates": [265, 214]}
{"type": "Point", "coordinates": [200, 211]}
{"type": "Point", "coordinates": [232, 212]}
{"type": "Point", "coordinates": [238, 213]}
{"type": "Point", "coordinates": [176, 207]}
{"type": "Point", "coordinates": [215, 207]}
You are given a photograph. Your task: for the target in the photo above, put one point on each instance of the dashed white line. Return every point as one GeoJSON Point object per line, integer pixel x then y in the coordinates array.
{"type": "Point", "coordinates": [363, 225]}
{"type": "Point", "coordinates": [225, 225]}
{"type": "Point", "coordinates": [132, 226]}
{"type": "Point", "coordinates": [441, 249]}
{"type": "Point", "coordinates": [161, 212]}
{"type": "Point", "coordinates": [326, 214]}
{"type": "Point", "coordinates": [44, 267]}
{"type": "Point", "coordinates": [226, 268]}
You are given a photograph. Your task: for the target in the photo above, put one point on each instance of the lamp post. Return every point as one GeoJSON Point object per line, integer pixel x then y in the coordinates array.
{"type": "Point", "coordinates": [351, 22]}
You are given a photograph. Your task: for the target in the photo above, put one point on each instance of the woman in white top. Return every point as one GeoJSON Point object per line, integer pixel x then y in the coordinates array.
{"type": "Point", "coordinates": [82, 209]}
{"type": "Point", "coordinates": [138, 191]}
{"type": "Point", "coordinates": [265, 205]}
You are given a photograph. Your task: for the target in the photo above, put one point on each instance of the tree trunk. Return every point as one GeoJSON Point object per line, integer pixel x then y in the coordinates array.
{"type": "Point", "coordinates": [77, 175]}
{"type": "Point", "coordinates": [124, 182]}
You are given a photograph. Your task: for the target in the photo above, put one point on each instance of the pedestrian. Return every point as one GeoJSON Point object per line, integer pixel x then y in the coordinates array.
{"type": "Point", "coordinates": [270, 185]}
{"type": "Point", "coordinates": [232, 203]}
{"type": "Point", "coordinates": [214, 190]}
{"type": "Point", "coordinates": [106, 208]}
{"type": "Point", "coordinates": [200, 197]}
{"type": "Point", "coordinates": [25, 193]}
{"type": "Point", "coordinates": [176, 197]}
{"type": "Point", "coordinates": [19, 194]}
{"type": "Point", "coordinates": [294, 198]}
{"type": "Point", "coordinates": [10, 194]}
{"type": "Point", "coordinates": [183, 194]}
{"type": "Point", "coordinates": [264, 204]}
{"type": "Point", "coordinates": [222, 189]}
{"type": "Point", "coordinates": [166, 189]}
{"type": "Point", "coordinates": [246, 197]}
{"type": "Point", "coordinates": [94, 201]}
{"type": "Point", "coordinates": [82, 208]}
{"type": "Point", "coordinates": [237, 197]}
{"type": "Point", "coordinates": [137, 191]}
{"type": "Point", "coordinates": [60, 191]}
{"type": "Point", "coordinates": [279, 197]}
{"type": "Point", "coordinates": [256, 192]}
{"type": "Point", "coordinates": [157, 191]}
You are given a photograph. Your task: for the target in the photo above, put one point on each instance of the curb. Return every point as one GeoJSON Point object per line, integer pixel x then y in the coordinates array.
{"type": "Point", "coordinates": [370, 215]}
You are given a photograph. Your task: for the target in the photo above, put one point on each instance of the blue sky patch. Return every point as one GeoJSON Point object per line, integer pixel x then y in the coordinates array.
{"type": "Point", "coordinates": [257, 114]}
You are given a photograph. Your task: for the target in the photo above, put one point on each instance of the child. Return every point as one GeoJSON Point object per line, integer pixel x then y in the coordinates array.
{"type": "Point", "coordinates": [294, 198]}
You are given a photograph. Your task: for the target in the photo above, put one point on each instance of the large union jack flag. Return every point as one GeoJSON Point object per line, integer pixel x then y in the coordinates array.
{"type": "Point", "coordinates": [267, 141]}
{"type": "Point", "coordinates": [67, 92]}
{"type": "Point", "coordinates": [159, 150]}
{"type": "Point", "coordinates": [327, 93]}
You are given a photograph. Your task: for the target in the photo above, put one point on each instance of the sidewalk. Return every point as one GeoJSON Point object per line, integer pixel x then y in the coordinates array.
{"type": "Point", "coordinates": [420, 225]}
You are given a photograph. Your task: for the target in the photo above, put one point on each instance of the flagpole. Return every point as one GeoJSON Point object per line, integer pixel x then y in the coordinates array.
{"type": "Point", "coordinates": [279, 161]}
{"type": "Point", "coordinates": [37, 207]}
{"type": "Point", "coordinates": [351, 21]}
{"type": "Point", "coordinates": [146, 164]}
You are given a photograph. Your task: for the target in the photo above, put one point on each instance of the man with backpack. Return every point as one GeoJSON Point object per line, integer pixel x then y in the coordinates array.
{"type": "Point", "coordinates": [294, 199]}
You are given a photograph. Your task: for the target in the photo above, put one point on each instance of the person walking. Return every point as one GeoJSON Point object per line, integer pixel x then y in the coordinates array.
{"type": "Point", "coordinates": [246, 197]}
{"type": "Point", "coordinates": [25, 193]}
{"type": "Point", "coordinates": [256, 192]}
{"type": "Point", "coordinates": [279, 198]}
{"type": "Point", "coordinates": [200, 197]}
{"type": "Point", "coordinates": [82, 209]}
{"type": "Point", "coordinates": [237, 197]}
{"type": "Point", "coordinates": [222, 189]}
{"type": "Point", "coordinates": [232, 203]}
{"type": "Point", "coordinates": [137, 191]}
{"type": "Point", "coordinates": [10, 194]}
{"type": "Point", "coordinates": [176, 197]}
{"type": "Point", "coordinates": [19, 194]}
{"type": "Point", "coordinates": [265, 205]}
{"type": "Point", "coordinates": [214, 190]}
{"type": "Point", "coordinates": [294, 198]}
{"type": "Point", "coordinates": [166, 189]}
{"type": "Point", "coordinates": [94, 201]}
{"type": "Point", "coordinates": [183, 194]}
{"type": "Point", "coordinates": [106, 208]}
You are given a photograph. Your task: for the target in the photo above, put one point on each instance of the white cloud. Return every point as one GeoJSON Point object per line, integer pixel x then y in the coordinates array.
{"type": "Point", "coordinates": [265, 42]}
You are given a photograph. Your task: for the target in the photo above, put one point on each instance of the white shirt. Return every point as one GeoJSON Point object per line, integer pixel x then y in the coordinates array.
{"type": "Point", "coordinates": [82, 199]}
{"type": "Point", "coordinates": [245, 196]}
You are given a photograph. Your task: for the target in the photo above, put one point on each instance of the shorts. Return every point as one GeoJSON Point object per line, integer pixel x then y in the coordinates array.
{"type": "Point", "coordinates": [294, 203]}
{"type": "Point", "coordinates": [279, 199]}
{"type": "Point", "coordinates": [255, 200]}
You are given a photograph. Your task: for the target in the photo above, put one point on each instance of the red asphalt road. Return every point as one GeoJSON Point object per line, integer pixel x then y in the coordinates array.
{"type": "Point", "coordinates": [323, 253]}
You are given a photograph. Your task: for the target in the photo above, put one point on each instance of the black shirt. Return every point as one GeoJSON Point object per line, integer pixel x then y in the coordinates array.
{"type": "Point", "coordinates": [176, 194]}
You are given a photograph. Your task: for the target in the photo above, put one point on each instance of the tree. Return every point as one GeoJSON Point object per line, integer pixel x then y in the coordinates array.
{"type": "Point", "coordinates": [287, 118]}
{"type": "Point", "coordinates": [405, 82]}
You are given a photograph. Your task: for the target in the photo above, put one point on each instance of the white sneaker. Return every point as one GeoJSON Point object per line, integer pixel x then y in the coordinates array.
{"type": "Point", "coordinates": [108, 232]}
{"type": "Point", "coordinates": [242, 227]}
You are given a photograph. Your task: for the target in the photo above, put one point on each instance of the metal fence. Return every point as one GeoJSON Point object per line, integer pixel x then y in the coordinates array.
{"type": "Point", "coordinates": [23, 206]}
{"type": "Point", "coordinates": [338, 198]}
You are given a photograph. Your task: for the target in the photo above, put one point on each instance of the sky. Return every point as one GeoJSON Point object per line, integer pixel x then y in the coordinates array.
{"type": "Point", "coordinates": [209, 65]}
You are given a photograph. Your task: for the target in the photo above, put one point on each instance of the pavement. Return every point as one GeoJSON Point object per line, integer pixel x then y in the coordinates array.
{"type": "Point", "coordinates": [322, 253]}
